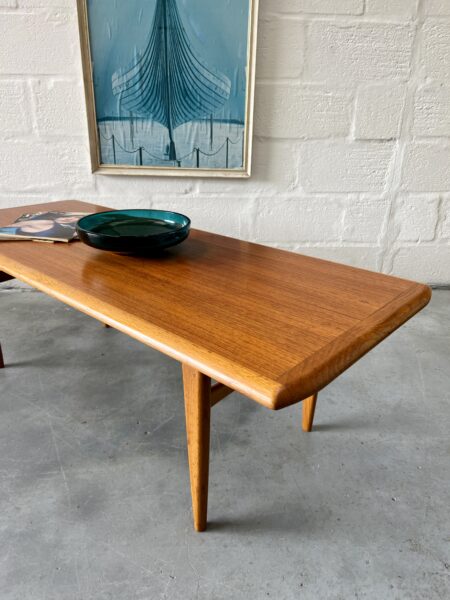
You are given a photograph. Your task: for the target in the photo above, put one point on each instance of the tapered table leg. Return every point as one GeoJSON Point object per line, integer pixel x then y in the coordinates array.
{"type": "Point", "coordinates": [308, 409]}
{"type": "Point", "coordinates": [197, 399]}
{"type": "Point", "coordinates": [3, 277]}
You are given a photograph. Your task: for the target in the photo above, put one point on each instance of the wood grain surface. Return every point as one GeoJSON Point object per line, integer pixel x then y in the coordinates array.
{"type": "Point", "coordinates": [273, 325]}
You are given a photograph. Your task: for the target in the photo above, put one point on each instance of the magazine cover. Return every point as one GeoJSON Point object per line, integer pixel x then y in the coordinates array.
{"type": "Point", "coordinates": [50, 226]}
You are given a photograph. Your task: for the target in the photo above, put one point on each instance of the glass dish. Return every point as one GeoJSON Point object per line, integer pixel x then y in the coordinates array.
{"type": "Point", "coordinates": [135, 231]}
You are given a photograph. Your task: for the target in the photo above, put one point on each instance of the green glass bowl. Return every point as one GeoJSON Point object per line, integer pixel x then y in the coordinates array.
{"type": "Point", "coordinates": [136, 231]}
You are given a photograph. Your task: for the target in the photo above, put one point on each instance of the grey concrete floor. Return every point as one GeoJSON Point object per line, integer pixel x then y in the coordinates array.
{"type": "Point", "coordinates": [94, 494]}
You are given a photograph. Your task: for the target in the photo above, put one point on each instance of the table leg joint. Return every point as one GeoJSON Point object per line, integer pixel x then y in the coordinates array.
{"type": "Point", "coordinates": [219, 391]}
{"type": "Point", "coordinates": [5, 277]}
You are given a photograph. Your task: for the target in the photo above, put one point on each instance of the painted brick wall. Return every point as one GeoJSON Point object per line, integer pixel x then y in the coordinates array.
{"type": "Point", "coordinates": [352, 132]}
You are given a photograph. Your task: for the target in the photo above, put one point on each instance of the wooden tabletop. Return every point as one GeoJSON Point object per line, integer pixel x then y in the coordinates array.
{"type": "Point", "coordinates": [274, 325]}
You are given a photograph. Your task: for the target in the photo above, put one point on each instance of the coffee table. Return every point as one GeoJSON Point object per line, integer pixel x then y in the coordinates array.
{"type": "Point", "coordinates": [273, 325]}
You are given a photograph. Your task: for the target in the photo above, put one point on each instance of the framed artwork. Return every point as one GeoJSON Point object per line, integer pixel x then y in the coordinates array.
{"type": "Point", "coordinates": [169, 85]}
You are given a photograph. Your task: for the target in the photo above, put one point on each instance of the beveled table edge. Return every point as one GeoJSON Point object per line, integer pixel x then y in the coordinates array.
{"type": "Point", "coordinates": [300, 382]}
{"type": "Point", "coordinates": [317, 371]}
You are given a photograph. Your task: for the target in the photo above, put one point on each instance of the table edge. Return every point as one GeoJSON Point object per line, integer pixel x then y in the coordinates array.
{"type": "Point", "coordinates": [318, 370]}
{"type": "Point", "coordinates": [303, 380]}
{"type": "Point", "coordinates": [252, 384]}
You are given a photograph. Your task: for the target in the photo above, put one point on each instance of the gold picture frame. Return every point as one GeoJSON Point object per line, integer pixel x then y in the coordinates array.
{"type": "Point", "coordinates": [132, 87]}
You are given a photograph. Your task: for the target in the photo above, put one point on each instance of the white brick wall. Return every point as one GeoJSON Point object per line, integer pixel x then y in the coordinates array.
{"type": "Point", "coordinates": [278, 109]}
{"type": "Point", "coordinates": [432, 110]}
{"type": "Point", "coordinates": [379, 110]}
{"type": "Point", "coordinates": [347, 52]}
{"type": "Point", "coordinates": [14, 116]}
{"type": "Point", "coordinates": [437, 7]}
{"type": "Point", "coordinates": [333, 7]}
{"type": "Point", "coordinates": [426, 166]}
{"type": "Point", "coordinates": [341, 166]}
{"type": "Point", "coordinates": [281, 55]}
{"type": "Point", "coordinates": [417, 218]}
{"type": "Point", "coordinates": [352, 132]}
{"type": "Point", "coordinates": [435, 49]}
{"type": "Point", "coordinates": [392, 7]}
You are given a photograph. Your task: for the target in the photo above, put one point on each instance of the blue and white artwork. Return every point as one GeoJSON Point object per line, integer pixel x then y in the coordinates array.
{"type": "Point", "coordinates": [170, 81]}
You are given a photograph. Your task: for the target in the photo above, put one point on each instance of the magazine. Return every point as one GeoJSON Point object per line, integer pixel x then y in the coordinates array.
{"type": "Point", "coordinates": [51, 226]}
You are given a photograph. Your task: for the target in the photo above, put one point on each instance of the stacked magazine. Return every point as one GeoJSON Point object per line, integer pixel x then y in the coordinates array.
{"type": "Point", "coordinates": [52, 226]}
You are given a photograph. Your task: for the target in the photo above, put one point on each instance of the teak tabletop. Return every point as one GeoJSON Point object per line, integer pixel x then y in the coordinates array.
{"type": "Point", "coordinates": [273, 325]}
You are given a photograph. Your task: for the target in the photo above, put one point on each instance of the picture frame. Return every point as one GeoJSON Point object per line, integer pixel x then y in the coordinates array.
{"type": "Point", "coordinates": [169, 86]}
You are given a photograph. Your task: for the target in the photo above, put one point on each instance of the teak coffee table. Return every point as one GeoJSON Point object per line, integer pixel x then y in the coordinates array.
{"type": "Point", "coordinates": [272, 325]}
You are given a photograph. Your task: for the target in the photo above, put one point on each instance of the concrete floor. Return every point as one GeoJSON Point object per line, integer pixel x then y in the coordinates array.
{"type": "Point", "coordinates": [94, 494]}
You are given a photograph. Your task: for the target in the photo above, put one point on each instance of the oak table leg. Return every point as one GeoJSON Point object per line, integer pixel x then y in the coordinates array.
{"type": "Point", "coordinates": [308, 408]}
{"type": "Point", "coordinates": [2, 362]}
{"type": "Point", "coordinates": [197, 399]}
